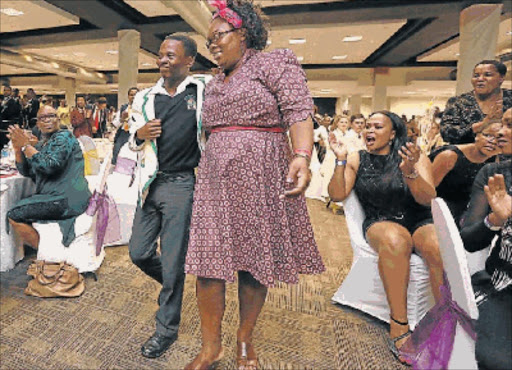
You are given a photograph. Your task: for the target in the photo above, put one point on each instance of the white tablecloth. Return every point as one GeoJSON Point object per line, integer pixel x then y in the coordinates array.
{"type": "Point", "coordinates": [19, 187]}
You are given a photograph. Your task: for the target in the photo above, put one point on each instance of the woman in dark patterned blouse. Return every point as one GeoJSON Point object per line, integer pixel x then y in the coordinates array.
{"type": "Point", "coordinates": [463, 115]}
{"type": "Point", "coordinates": [249, 215]}
{"type": "Point", "coordinates": [56, 165]}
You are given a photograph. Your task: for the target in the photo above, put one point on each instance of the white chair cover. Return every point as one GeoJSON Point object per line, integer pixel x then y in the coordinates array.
{"type": "Point", "coordinates": [362, 288]}
{"type": "Point", "coordinates": [457, 271]}
{"type": "Point", "coordinates": [82, 251]}
{"type": "Point", "coordinates": [124, 195]}
{"type": "Point", "coordinates": [91, 159]}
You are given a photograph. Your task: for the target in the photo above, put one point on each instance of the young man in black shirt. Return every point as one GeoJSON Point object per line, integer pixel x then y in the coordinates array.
{"type": "Point", "coordinates": [166, 131]}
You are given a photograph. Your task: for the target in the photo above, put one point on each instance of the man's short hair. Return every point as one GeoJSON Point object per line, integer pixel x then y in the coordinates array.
{"type": "Point", "coordinates": [189, 44]}
{"type": "Point", "coordinates": [133, 88]}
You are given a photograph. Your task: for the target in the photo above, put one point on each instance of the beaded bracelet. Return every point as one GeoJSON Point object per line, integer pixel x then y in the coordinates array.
{"type": "Point", "coordinates": [302, 155]}
{"type": "Point", "coordinates": [303, 151]}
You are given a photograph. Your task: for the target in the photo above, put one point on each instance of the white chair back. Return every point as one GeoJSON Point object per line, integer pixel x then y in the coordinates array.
{"type": "Point", "coordinates": [457, 271]}
{"type": "Point", "coordinates": [91, 159]}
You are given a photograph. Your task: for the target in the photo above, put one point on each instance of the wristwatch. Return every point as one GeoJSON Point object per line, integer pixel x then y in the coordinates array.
{"type": "Point", "coordinates": [490, 226]}
{"type": "Point", "coordinates": [341, 162]}
{"type": "Point", "coordinates": [24, 147]}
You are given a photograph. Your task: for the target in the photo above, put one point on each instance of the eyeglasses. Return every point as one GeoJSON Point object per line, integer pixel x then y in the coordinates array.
{"type": "Point", "coordinates": [217, 36]}
{"type": "Point", "coordinates": [47, 117]}
{"type": "Point", "coordinates": [490, 137]}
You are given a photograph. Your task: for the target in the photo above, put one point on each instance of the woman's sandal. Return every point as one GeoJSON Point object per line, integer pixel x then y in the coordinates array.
{"type": "Point", "coordinates": [392, 342]}
{"type": "Point", "coordinates": [204, 365]}
{"type": "Point", "coordinates": [243, 362]}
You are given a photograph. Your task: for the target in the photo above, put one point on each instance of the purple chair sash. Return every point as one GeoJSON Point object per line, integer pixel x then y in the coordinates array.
{"type": "Point", "coordinates": [125, 166]}
{"type": "Point", "coordinates": [108, 228]}
{"type": "Point", "coordinates": [430, 345]}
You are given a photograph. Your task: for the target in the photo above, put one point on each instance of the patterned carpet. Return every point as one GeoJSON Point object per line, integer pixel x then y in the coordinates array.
{"type": "Point", "coordinates": [299, 328]}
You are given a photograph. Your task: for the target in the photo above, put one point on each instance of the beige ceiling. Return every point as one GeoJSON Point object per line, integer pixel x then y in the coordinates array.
{"type": "Point", "coordinates": [154, 8]}
{"type": "Point", "coordinates": [36, 14]}
{"type": "Point", "coordinates": [325, 42]}
{"type": "Point", "coordinates": [11, 70]}
{"type": "Point", "coordinates": [98, 54]}
{"type": "Point", "coordinates": [450, 50]}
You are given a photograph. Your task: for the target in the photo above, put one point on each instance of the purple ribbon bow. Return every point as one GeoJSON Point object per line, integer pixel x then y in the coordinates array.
{"type": "Point", "coordinates": [107, 220]}
{"type": "Point", "coordinates": [430, 345]}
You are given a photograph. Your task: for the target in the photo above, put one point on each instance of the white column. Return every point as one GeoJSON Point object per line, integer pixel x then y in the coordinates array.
{"type": "Point", "coordinates": [69, 86]}
{"type": "Point", "coordinates": [355, 104]}
{"type": "Point", "coordinates": [341, 104]}
{"type": "Point", "coordinates": [379, 101]}
{"type": "Point", "coordinates": [479, 28]}
{"type": "Point", "coordinates": [129, 45]}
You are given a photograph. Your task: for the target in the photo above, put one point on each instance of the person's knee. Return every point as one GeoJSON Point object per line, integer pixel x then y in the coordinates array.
{"type": "Point", "coordinates": [139, 256]}
{"type": "Point", "coordinates": [395, 245]}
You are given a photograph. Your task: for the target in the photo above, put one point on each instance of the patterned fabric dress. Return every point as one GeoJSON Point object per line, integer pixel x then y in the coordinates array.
{"type": "Point", "coordinates": [238, 221]}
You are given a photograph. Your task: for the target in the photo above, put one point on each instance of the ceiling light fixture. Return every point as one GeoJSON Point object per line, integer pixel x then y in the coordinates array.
{"type": "Point", "coordinates": [79, 54]}
{"type": "Point", "coordinates": [339, 57]}
{"type": "Point", "coordinates": [352, 38]}
{"type": "Point", "coordinates": [297, 41]}
{"type": "Point", "coordinates": [54, 65]}
{"type": "Point", "coordinates": [100, 75]}
{"type": "Point", "coordinates": [11, 12]}
{"type": "Point", "coordinates": [28, 58]}
{"type": "Point", "coordinates": [112, 52]}
{"type": "Point", "coordinates": [300, 59]}
{"type": "Point", "coordinates": [269, 42]}
{"type": "Point", "coordinates": [325, 90]}
{"type": "Point", "coordinates": [509, 33]}
{"type": "Point", "coordinates": [147, 64]}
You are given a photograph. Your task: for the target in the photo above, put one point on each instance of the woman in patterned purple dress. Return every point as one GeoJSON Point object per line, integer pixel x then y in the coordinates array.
{"type": "Point", "coordinates": [249, 215]}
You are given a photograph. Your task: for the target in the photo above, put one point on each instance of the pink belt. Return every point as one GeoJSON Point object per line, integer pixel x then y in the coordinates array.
{"type": "Point", "coordinates": [279, 130]}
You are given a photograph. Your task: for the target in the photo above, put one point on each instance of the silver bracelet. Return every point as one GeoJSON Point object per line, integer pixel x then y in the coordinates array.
{"type": "Point", "coordinates": [413, 175]}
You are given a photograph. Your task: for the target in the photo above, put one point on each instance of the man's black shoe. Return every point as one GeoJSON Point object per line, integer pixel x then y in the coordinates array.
{"type": "Point", "coordinates": [157, 345]}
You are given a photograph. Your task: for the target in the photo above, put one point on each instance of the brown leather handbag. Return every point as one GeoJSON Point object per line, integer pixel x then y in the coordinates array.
{"type": "Point", "coordinates": [54, 279]}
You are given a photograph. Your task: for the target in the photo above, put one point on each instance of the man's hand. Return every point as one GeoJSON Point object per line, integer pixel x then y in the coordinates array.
{"type": "Point", "coordinates": [124, 115]}
{"type": "Point", "coordinates": [18, 137]}
{"type": "Point", "coordinates": [151, 130]}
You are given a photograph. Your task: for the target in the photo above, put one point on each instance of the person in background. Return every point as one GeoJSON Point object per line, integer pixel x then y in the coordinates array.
{"type": "Point", "coordinates": [80, 118]}
{"type": "Point", "coordinates": [354, 138]}
{"type": "Point", "coordinates": [464, 114]}
{"type": "Point", "coordinates": [10, 113]}
{"type": "Point", "coordinates": [393, 182]}
{"type": "Point", "coordinates": [121, 122]}
{"type": "Point", "coordinates": [63, 113]}
{"type": "Point", "coordinates": [455, 168]}
{"type": "Point", "coordinates": [99, 118]}
{"type": "Point", "coordinates": [340, 126]}
{"type": "Point", "coordinates": [321, 136]}
{"type": "Point", "coordinates": [433, 138]}
{"type": "Point", "coordinates": [488, 215]}
{"type": "Point", "coordinates": [56, 165]}
{"type": "Point", "coordinates": [249, 216]}
{"type": "Point", "coordinates": [31, 108]}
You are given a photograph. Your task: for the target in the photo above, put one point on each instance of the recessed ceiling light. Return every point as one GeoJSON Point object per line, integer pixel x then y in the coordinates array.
{"type": "Point", "coordinates": [147, 64]}
{"type": "Point", "coordinates": [457, 54]}
{"type": "Point", "coordinates": [509, 33]}
{"type": "Point", "coordinates": [300, 59]}
{"type": "Point", "coordinates": [297, 41]}
{"type": "Point", "coordinates": [352, 38]}
{"type": "Point", "coordinates": [112, 52]}
{"type": "Point", "coordinates": [28, 58]}
{"type": "Point", "coordinates": [11, 12]}
{"type": "Point", "coordinates": [114, 90]}
{"type": "Point", "coordinates": [79, 54]}
{"type": "Point", "coordinates": [100, 75]}
{"type": "Point", "coordinates": [54, 65]}
{"type": "Point", "coordinates": [410, 92]}
{"type": "Point", "coordinates": [269, 42]}
{"type": "Point", "coordinates": [339, 57]}
{"type": "Point", "coordinates": [325, 90]}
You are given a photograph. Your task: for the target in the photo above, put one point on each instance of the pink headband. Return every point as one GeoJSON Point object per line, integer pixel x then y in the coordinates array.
{"type": "Point", "coordinates": [226, 13]}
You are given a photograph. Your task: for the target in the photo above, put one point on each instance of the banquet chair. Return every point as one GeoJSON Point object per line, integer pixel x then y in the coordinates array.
{"type": "Point", "coordinates": [122, 186]}
{"type": "Point", "coordinates": [91, 158]}
{"type": "Point", "coordinates": [362, 288]}
{"type": "Point", "coordinates": [457, 272]}
{"type": "Point", "coordinates": [81, 253]}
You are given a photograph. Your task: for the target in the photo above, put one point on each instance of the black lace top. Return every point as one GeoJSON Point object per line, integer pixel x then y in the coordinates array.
{"type": "Point", "coordinates": [455, 188]}
{"type": "Point", "coordinates": [380, 191]}
{"type": "Point", "coordinates": [461, 112]}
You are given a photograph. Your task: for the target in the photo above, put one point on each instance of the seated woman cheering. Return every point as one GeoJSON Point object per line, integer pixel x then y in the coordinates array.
{"type": "Point", "coordinates": [56, 165]}
{"type": "Point", "coordinates": [394, 184]}
{"type": "Point", "coordinates": [455, 167]}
